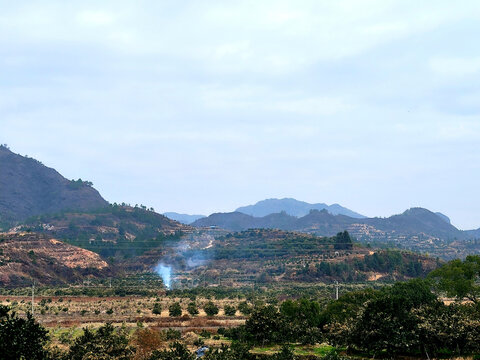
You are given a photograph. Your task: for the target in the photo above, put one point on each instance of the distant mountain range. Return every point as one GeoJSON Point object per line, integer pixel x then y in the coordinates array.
{"type": "Point", "coordinates": [412, 221]}
{"type": "Point", "coordinates": [294, 207]}
{"type": "Point", "coordinates": [416, 229]}
{"type": "Point", "coordinates": [35, 197]}
{"type": "Point", "coordinates": [183, 218]}
{"type": "Point", "coordinates": [266, 207]}
{"type": "Point", "coordinates": [28, 188]}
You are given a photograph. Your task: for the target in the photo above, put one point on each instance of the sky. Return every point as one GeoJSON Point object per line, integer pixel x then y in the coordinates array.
{"type": "Point", "coordinates": [205, 106]}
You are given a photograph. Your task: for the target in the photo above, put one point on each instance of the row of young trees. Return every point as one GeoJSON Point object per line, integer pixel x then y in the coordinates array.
{"type": "Point", "coordinates": [175, 309]}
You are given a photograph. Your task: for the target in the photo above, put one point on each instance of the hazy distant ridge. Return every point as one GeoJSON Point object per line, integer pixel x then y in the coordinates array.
{"type": "Point", "coordinates": [411, 222]}
{"type": "Point", "coordinates": [294, 207]}
{"type": "Point", "coordinates": [183, 218]}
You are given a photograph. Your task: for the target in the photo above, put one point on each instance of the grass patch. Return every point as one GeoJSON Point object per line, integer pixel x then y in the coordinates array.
{"type": "Point", "coordinates": [318, 350]}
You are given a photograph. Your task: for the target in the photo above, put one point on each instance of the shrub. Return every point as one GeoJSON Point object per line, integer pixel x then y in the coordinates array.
{"type": "Point", "coordinates": [198, 342]}
{"type": "Point", "coordinates": [230, 310]}
{"type": "Point", "coordinates": [157, 308]}
{"type": "Point", "coordinates": [177, 351]}
{"type": "Point", "coordinates": [210, 309]}
{"type": "Point", "coordinates": [146, 341]}
{"type": "Point", "coordinates": [172, 334]}
{"type": "Point", "coordinates": [205, 334]}
{"type": "Point", "coordinates": [175, 309]}
{"type": "Point", "coordinates": [244, 308]}
{"type": "Point", "coordinates": [192, 309]}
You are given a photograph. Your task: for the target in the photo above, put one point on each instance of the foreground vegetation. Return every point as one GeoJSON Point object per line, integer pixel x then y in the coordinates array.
{"type": "Point", "coordinates": [405, 319]}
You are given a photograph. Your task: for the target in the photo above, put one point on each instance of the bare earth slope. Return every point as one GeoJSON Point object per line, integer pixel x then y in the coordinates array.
{"type": "Point", "coordinates": [25, 257]}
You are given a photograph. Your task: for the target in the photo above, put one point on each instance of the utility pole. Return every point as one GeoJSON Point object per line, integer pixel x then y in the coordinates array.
{"type": "Point", "coordinates": [336, 290]}
{"type": "Point", "coordinates": [33, 296]}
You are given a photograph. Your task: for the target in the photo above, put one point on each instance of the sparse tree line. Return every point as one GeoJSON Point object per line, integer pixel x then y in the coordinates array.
{"type": "Point", "coordinates": [405, 319]}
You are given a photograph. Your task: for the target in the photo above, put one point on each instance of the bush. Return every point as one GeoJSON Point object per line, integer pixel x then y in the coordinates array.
{"type": "Point", "coordinates": [244, 308]}
{"type": "Point", "coordinates": [175, 309]}
{"type": "Point", "coordinates": [198, 342]}
{"type": "Point", "coordinates": [205, 334]}
{"type": "Point", "coordinates": [210, 309]}
{"type": "Point", "coordinates": [177, 351]}
{"type": "Point", "coordinates": [230, 310]}
{"type": "Point", "coordinates": [157, 308]}
{"type": "Point", "coordinates": [146, 341]}
{"type": "Point", "coordinates": [192, 309]}
{"type": "Point", "coordinates": [172, 334]}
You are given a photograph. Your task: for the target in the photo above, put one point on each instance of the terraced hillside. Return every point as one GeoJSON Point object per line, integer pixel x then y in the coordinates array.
{"type": "Point", "coordinates": [266, 256]}
{"type": "Point", "coordinates": [25, 257]}
{"type": "Point", "coordinates": [113, 231]}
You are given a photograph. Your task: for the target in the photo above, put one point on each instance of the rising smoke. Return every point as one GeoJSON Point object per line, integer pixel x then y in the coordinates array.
{"type": "Point", "coordinates": [192, 252]}
{"type": "Point", "coordinates": [165, 272]}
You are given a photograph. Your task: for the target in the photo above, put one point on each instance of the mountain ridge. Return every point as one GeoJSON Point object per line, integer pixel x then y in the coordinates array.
{"type": "Point", "coordinates": [29, 188]}
{"type": "Point", "coordinates": [416, 229]}
{"type": "Point", "coordinates": [183, 218]}
{"type": "Point", "coordinates": [293, 207]}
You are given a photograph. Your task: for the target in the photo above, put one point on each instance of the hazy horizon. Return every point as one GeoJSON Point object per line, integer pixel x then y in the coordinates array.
{"type": "Point", "coordinates": [204, 107]}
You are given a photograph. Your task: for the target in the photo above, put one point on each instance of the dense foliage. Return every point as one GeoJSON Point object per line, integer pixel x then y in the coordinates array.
{"type": "Point", "coordinates": [460, 279]}
{"type": "Point", "coordinates": [105, 343]}
{"type": "Point", "coordinates": [405, 319]}
{"type": "Point", "coordinates": [21, 338]}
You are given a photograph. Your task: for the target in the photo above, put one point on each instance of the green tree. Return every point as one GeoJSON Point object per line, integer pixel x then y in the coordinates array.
{"type": "Point", "coordinates": [454, 328]}
{"type": "Point", "coordinates": [459, 278]}
{"type": "Point", "coordinates": [105, 343]}
{"type": "Point", "coordinates": [230, 310]}
{"type": "Point", "coordinates": [343, 241]}
{"type": "Point", "coordinates": [244, 308]}
{"type": "Point", "coordinates": [175, 309]}
{"type": "Point", "coordinates": [157, 308]}
{"type": "Point", "coordinates": [210, 309]}
{"type": "Point", "coordinates": [192, 309]}
{"type": "Point", "coordinates": [387, 322]}
{"type": "Point", "coordinates": [21, 338]}
{"type": "Point", "coordinates": [177, 351]}
{"type": "Point", "coordinates": [304, 319]}
{"type": "Point", "coordinates": [265, 325]}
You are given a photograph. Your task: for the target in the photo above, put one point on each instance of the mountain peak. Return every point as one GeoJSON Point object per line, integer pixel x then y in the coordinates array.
{"type": "Point", "coordinates": [293, 207]}
{"type": "Point", "coordinates": [28, 188]}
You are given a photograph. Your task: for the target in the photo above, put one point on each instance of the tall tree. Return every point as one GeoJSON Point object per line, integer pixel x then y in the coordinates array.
{"type": "Point", "coordinates": [459, 278]}
{"type": "Point", "coordinates": [21, 338]}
